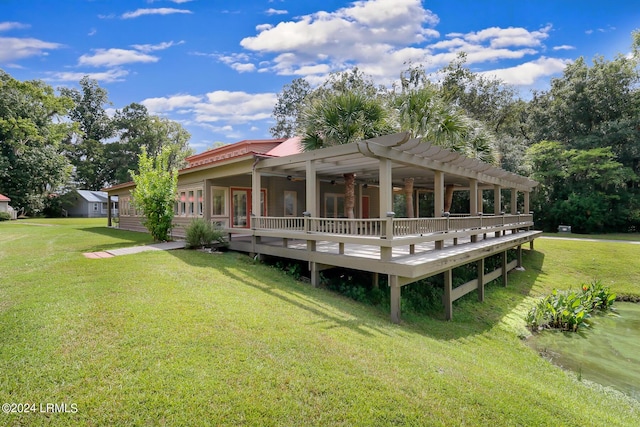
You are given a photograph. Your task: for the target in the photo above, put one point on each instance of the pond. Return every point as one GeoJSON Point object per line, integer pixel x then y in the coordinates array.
{"type": "Point", "coordinates": [607, 353]}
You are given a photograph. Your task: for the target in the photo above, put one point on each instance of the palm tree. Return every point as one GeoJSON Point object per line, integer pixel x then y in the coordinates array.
{"type": "Point", "coordinates": [427, 116]}
{"type": "Point", "coordinates": [337, 118]}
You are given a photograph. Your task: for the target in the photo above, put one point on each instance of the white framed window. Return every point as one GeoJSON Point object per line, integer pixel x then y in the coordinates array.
{"type": "Point", "coordinates": [219, 201]}
{"type": "Point", "coordinates": [189, 202]}
{"type": "Point", "coordinates": [290, 203]}
{"type": "Point", "coordinates": [333, 205]}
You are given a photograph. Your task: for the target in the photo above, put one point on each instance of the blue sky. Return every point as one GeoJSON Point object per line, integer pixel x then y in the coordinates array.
{"type": "Point", "coordinates": [216, 66]}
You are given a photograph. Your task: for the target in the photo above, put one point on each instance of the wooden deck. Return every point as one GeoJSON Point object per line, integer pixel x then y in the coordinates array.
{"type": "Point", "coordinates": [405, 257]}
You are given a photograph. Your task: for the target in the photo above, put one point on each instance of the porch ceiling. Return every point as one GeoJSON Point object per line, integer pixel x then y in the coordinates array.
{"type": "Point", "coordinates": [410, 158]}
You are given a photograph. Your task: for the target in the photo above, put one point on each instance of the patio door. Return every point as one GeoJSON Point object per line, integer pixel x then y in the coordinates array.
{"type": "Point", "coordinates": [241, 207]}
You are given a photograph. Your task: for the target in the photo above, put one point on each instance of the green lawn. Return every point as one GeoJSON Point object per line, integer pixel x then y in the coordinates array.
{"type": "Point", "coordinates": [189, 338]}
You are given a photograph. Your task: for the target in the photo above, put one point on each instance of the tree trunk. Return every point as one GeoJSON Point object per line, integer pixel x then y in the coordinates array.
{"type": "Point", "coordinates": [349, 194]}
{"type": "Point", "coordinates": [448, 199]}
{"type": "Point", "coordinates": [408, 195]}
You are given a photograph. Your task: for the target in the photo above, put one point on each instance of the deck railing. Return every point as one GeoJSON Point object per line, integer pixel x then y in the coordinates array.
{"type": "Point", "coordinates": [398, 227]}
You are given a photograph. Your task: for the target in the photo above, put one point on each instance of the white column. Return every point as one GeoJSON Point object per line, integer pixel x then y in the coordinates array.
{"type": "Point", "coordinates": [497, 200]}
{"type": "Point", "coordinates": [311, 189]}
{"type": "Point", "coordinates": [438, 193]}
{"type": "Point", "coordinates": [514, 201]}
{"type": "Point", "coordinates": [386, 188]}
{"type": "Point", "coordinates": [473, 197]}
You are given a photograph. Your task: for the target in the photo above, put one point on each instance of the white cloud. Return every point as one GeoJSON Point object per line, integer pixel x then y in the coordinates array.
{"type": "Point", "coordinates": [114, 75]}
{"type": "Point", "coordinates": [505, 37]}
{"type": "Point", "coordinates": [92, 32]}
{"type": "Point", "coordinates": [157, 11]}
{"type": "Point", "coordinates": [12, 48]}
{"type": "Point", "coordinates": [153, 47]}
{"type": "Point", "coordinates": [223, 107]}
{"type": "Point", "coordinates": [380, 37]}
{"type": "Point", "coordinates": [564, 47]}
{"type": "Point", "coordinates": [526, 74]}
{"type": "Point", "coordinates": [243, 68]}
{"type": "Point", "coordinates": [165, 104]}
{"type": "Point", "coordinates": [111, 57]}
{"type": "Point", "coordinates": [273, 11]}
{"type": "Point", "coordinates": [6, 26]}
{"type": "Point", "coordinates": [173, 1]}
{"type": "Point", "coordinates": [263, 27]}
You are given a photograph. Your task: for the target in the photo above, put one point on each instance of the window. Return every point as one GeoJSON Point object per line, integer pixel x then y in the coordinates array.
{"type": "Point", "coordinates": [182, 208]}
{"type": "Point", "coordinates": [95, 207]}
{"type": "Point", "coordinates": [334, 205]}
{"type": "Point", "coordinates": [199, 203]}
{"type": "Point", "coordinates": [190, 203]}
{"type": "Point", "coordinates": [290, 203]}
{"type": "Point", "coordinates": [218, 201]}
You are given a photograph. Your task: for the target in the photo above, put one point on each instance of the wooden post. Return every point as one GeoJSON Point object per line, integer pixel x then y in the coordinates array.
{"type": "Point", "coordinates": [395, 289]}
{"type": "Point", "coordinates": [504, 269]}
{"type": "Point", "coordinates": [526, 203]}
{"type": "Point", "coordinates": [311, 189]}
{"type": "Point", "coordinates": [315, 274]}
{"type": "Point", "coordinates": [108, 210]}
{"type": "Point", "coordinates": [480, 267]}
{"type": "Point", "coordinates": [480, 204]}
{"type": "Point", "coordinates": [438, 194]}
{"type": "Point", "coordinates": [473, 197]}
{"type": "Point", "coordinates": [255, 193]}
{"type": "Point", "coordinates": [519, 266]}
{"type": "Point", "coordinates": [375, 283]}
{"type": "Point", "coordinates": [497, 200]}
{"type": "Point", "coordinates": [514, 201]}
{"type": "Point", "coordinates": [386, 188]}
{"type": "Point", "coordinates": [448, 303]}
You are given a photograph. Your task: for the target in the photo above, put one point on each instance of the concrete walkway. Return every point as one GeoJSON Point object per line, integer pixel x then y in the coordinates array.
{"type": "Point", "coordinates": [632, 242]}
{"type": "Point", "coordinates": [165, 246]}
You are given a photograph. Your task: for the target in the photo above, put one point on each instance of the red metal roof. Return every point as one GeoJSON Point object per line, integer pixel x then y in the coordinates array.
{"type": "Point", "coordinates": [4, 198]}
{"type": "Point", "coordinates": [259, 146]}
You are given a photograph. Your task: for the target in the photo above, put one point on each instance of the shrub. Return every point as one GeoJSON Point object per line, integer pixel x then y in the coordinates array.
{"type": "Point", "coordinates": [5, 216]}
{"type": "Point", "coordinates": [569, 310]}
{"type": "Point", "coordinates": [200, 233]}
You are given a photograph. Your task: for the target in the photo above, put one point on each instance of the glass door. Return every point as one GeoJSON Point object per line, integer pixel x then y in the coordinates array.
{"type": "Point", "coordinates": [240, 207]}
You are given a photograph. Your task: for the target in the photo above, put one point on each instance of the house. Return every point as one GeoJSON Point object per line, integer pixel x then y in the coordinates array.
{"type": "Point", "coordinates": [91, 204]}
{"type": "Point", "coordinates": [4, 206]}
{"type": "Point", "coordinates": [273, 199]}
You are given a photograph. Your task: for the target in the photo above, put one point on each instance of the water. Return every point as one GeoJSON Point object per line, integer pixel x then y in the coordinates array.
{"type": "Point", "coordinates": [607, 353]}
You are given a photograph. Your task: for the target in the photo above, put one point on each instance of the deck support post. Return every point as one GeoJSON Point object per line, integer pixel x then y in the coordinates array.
{"type": "Point", "coordinates": [375, 281]}
{"type": "Point", "coordinates": [480, 268]}
{"type": "Point", "coordinates": [412, 249]}
{"type": "Point", "coordinates": [386, 253]}
{"type": "Point", "coordinates": [504, 269]}
{"type": "Point", "coordinates": [448, 302]}
{"type": "Point", "coordinates": [108, 210]}
{"type": "Point", "coordinates": [315, 274]}
{"type": "Point", "coordinates": [525, 210]}
{"type": "Point", "coordinates": [519, 266]}
{"type": "Point", "coordinates": [514, 201]}
{"type": "Point", "coordinates": [341, 248]}
{"type": "Point", "coordinates": [531, 244]}
{"type": "Point", "coordinates": [395, 289]}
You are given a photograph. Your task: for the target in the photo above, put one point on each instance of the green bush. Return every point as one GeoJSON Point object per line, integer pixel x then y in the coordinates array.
{"type": "Point", "coordinates": [5, 216]}
{"type": "Point", "coordinates": [569, 310]}
{"type": "Point", "coordinates": [200, 233]}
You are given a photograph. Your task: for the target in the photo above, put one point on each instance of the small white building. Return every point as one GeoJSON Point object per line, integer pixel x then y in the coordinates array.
{"type": "Point", "coordinates": [92, 204]}
{"type": "Point", "coordinates": [4, 206]}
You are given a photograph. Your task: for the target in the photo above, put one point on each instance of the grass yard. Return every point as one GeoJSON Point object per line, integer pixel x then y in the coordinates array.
{"type": "Point", "coordinates": [189, 338]}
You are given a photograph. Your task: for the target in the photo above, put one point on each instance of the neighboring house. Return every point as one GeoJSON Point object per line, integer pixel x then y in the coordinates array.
{"type": "Point", "coordinates": [4, 206]}
{"type": "Point", "coordinates": [273, 199]}
{"type": "Point", "coordinates": [92, 204]}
